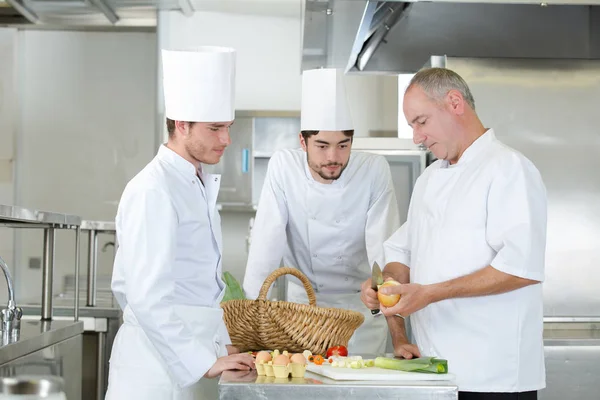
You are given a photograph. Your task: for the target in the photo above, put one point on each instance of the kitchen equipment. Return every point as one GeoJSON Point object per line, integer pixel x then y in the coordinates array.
{"type": "Point", "coordinates": [28, 387]}
{"type": "Point", "coordinates": [374, 374]}
{"type": "Point", "coordinates": [376, 280]}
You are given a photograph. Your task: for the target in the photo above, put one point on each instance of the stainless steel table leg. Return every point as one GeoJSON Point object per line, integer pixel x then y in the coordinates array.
{"type": "Point", "coordinates": [77, 261]}
{"type": "Point", "coordinates": [48, 273]}
{"type": "Point", "coordinates": [92, 268]}
{"type": "Point", "coordinates": [101, 358]}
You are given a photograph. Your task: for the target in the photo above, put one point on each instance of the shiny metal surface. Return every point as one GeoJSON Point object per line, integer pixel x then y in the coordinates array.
{"type": "Point", "coordinates": [12, 214]}
{"type": "Point", "coordinates": [77, 264]}
{"type": "Point", "coordinates": [275, 133]}
{"type": "Point", "coordinates": [576, 333]}
{"type": "Point", "coordinates": [567, 30]}
{"type": "Point", "coordinates": [11, 315]}
{"type": "Point", "coordinates": [104, 226]}
{"type": "Point", "coordinates": [35, 335]}
{"type": "Point", "coordinates": [100, 365]}
{"type": "Point", "coordinates": [525, 101]}
{"type": "Point", "coordinates": [47, 273]}
{"type": "Point", "coordinates": [63, 307]}
{"type": "Point", "coordinates": [100, 329]}
{"type": "Point", "coordinates": [243, 385]}
{"type": "Point", "coordinates": [236, 165]}
{"type": "Point", "coordinates": [405, 167]}
{"type": "Point", "coordinates": [62, 359]}
{"type": "Point", "coordinates": [92, 267]}
{"type": "Point", "coordinates": [571, 372]}
{"type": "Point", "coordinates": [31, 384]}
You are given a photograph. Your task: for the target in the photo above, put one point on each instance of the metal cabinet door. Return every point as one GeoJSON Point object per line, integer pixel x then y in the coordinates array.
{"type": "Point", "coordinates": [236, 167]}
{"type": "Point", "coordinates": [571, 371]}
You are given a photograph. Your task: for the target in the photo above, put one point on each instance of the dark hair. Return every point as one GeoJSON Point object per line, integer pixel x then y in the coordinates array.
{"type": "Point", "coordinates": [171, 126]}
{"type": "Point", "coordinates": [307, 134]}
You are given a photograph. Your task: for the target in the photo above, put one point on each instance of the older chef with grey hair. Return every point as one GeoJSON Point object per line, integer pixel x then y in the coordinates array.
{"type": "Point", "coordinates": [473, 249]}
{"type": "Point", "coordinates": [167, 271]}
{"type": "Point", "coordinates": [325, 210]}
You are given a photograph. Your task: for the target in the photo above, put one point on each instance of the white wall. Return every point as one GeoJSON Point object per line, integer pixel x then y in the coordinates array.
{"type": "Point", "coordinates": [87, 106]}
{"type": "Point", "coordinates": [268, 75]}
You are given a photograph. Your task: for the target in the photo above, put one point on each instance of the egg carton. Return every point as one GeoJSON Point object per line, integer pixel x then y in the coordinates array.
{"type": "Point", "coordinates": [297, 370]}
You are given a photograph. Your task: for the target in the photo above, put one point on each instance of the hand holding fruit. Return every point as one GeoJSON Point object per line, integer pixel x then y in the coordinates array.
{"type": "Point", "coordinates": [403, 299]}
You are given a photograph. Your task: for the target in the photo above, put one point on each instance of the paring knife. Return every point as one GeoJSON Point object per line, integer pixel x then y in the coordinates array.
{"type": "Point", "coordinates": [376, 280]}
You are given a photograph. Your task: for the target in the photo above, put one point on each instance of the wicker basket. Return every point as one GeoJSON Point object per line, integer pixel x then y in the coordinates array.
{"type": "Point", "coordinates": [262, 324]}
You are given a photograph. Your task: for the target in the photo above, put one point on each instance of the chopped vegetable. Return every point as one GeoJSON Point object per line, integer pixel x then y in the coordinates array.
{"type": "Point", "coordinates": [318, 359]}
{"type": "Point", "coordinates": [311, 358]}
{"type": "Point", "coordinates": [233, 290]}
{"type": "Point", "coordinates": [422, 364]}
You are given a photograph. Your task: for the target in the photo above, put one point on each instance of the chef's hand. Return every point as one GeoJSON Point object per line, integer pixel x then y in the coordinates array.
{"type": "Point", "coordinates": [240, 362]}
{"type": "Point", "coordinates": [369, 296]}
{"type": "Point", "coordinates": [232, 350]}
{"type": "Point", "coordinates": [407, 350]}
{"type": "Point", "coordinates": [413, 297]}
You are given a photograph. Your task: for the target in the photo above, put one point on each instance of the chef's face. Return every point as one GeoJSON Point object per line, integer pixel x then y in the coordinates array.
{"type": "Point", "coordinates": [205, 142]}
{"type": "Point", "coordinates": [434, 122]}
{"type": "Point", "coordinates": [327, 153]}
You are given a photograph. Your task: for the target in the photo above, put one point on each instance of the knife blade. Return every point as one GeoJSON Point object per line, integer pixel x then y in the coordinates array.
{"type": "Point", "coordinates": [376, 280]}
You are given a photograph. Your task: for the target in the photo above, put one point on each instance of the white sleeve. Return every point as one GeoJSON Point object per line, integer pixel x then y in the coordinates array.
{"type": "Point", "coordinates": [148, 224]}
{"type": "Point", "coordinates": [383, 217]}
{"type": "Point", "coordinates": [517, 218]}
{"type": "Point", "coordinates": [268, 241]}
{"type": "Point", "coordinates": [397, 247]}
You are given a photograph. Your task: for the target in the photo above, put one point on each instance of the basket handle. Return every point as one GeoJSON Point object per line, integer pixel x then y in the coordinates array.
{"type": "Point", "coordinates": [262, 295]}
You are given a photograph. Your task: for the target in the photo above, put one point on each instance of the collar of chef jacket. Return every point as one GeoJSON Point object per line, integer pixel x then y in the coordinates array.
{"type": "Point", "coordinates": [210, 183]}
{"type": "Point", "coordinates": [473, 150]}
{"type": "Point", "coordinates": [186, 168]}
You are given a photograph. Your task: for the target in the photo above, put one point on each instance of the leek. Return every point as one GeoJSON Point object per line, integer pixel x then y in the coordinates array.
{"type": "Point", "coordinates": [422, 364]}
{"type": "Point", "coordinates": [233, 290]}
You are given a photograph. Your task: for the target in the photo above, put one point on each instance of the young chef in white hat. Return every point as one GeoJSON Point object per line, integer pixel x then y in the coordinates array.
{"type": "Point", "coordinates": [325, 210]}
{"type": "Point", "coordinates": [167, 271]}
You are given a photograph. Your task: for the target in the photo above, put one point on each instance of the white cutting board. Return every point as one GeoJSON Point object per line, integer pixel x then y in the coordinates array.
{"type": "Point", "coordinates": [374, 374]}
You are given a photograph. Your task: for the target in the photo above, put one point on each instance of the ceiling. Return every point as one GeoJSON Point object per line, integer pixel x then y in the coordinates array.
{"type": "Point", "coordinates": [130, 13]}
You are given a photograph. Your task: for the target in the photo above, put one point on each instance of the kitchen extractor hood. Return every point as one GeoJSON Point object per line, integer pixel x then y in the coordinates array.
{"type": "Point", "coordinates": [400, 36]}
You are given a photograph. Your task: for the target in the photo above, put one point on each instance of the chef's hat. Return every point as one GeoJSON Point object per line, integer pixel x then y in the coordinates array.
{"type": "Point", "coordinates": [324, 102]}
{"type": "Point", "coordinates": [199, 84]}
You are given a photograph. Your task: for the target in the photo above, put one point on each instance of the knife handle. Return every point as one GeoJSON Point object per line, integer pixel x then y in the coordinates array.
{"type": "Point", "coordinates": [373, 312]}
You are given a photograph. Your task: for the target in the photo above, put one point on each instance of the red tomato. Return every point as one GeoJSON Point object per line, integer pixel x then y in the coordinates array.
{"type": "Point", "coordinates": [340, 351]}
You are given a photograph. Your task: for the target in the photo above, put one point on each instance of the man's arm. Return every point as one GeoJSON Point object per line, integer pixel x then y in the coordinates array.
{"type": "Point", "coordinates": [269, 231]}
{"type": "Point", "coordinates": [397, 326]}
{"type": "Point", "coordinates": [486, 281]}
{"type": "Point", "coordinates": [515, 229]}
{"type": "Point", "coordinates": [383, 218]}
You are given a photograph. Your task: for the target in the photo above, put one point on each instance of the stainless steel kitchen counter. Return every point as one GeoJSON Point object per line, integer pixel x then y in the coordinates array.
{"type": "Point", "coordinates": [247, 385]}
{"type": "Point", "coordinates": [35, 335]}
{"type": "Point", "coordinates": [17, 215]}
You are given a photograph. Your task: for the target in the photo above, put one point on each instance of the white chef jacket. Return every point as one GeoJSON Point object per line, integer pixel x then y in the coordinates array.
{"type": "Point", "coordinates": [331, 232]}
{"type": "Point", "coordinates": [167, 275]}
{"type": "Point", "coordinates": [487, 209]}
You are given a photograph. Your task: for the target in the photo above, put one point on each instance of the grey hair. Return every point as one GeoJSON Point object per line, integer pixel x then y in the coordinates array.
{"type": "Point", "coordinates": [437, 82]}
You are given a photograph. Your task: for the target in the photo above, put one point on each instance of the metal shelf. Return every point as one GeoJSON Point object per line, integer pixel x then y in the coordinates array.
{"type": "Point", "coordinates": [18, 217]}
